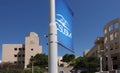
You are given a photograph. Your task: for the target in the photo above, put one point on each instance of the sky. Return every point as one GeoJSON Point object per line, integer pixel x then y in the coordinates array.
{"type": "Point", "coordinates": [19, 17]}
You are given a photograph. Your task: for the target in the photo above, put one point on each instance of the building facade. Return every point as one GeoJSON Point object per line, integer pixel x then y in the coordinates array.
{"type": "Point", "coordinates": [110, 45]}
{"type": "Point", "coordinates": [21, 53]}
{"type": "Point", "coordinates": [61, 63]}
{"type": "Point", "coordinates": [97, 48]}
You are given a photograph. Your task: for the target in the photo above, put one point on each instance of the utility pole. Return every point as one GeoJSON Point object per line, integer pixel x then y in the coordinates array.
{"type": "Point", "coordinates": [100, 56]}
{"type": "Point", "coordinates": [33, 67]}
{"type": "Point", "coordinates": [101, 63]}
{"type": "Point", "coordinates": [52, 41]}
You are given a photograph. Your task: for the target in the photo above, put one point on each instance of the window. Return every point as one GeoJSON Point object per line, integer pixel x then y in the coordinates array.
{"type": "Point", "coordinates": [106, 58]}
{"type": "Point", "coordinates": [32, 49]}
{"type": "Point", "coordinates": [31, 56]}
{"type": "Point", "coordinates": [114, 58]}
{"type": "Point", "coordinates": [111, 27]}
{"type": "Point", "coordinates": [15, 55]}
{"type": "Point", "coordinates": [23, 48]}
{"type": "Point", "coordinates": [116, 45]}
{"type": "Point", "coordinates": [15, 49]}
{"type": "Point", "coordinates": [15, 62]}
{"type": "Point", "coordinates": [20, 48]}
{"type": "Point", "coordinates": [111, 46]}
{"type": "Point", "coordinates": [23, 55]}
{"type": "Point", "coordinates": [19, 62]}
{"type": "Point", "coordinates": [115, 66]}
{"type": "Point", "coordinates": [111, 49]}
{"type": "Point", "coordinates": [116, 25]}
{"type": "Point", "coordinates": [19, 55]}
{"type": "Point", "coordinates": [23, 62]}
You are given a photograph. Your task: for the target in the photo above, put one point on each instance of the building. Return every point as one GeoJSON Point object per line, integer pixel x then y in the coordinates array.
{"type": "Point", "coordinates": [85, 52]}
{"type": "Point", "coordinates": [97, 48]}
{"type": "Point", "coordinates": [109, 45]}
{"type": "Point", "coordinates": [61, 63]}
{"type": "Point", "coordinates": [21, 53]}
{"type": "Point", "coordinates": [112, 44]}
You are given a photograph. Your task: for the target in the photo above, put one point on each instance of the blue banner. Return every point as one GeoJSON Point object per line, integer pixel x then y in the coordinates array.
{"type": "Point", "coordinates": [64, 24]}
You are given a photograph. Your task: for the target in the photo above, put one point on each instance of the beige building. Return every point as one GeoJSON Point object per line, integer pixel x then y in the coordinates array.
{"type": "Point", "coordinates": [97, 48]}
{"type": "Point", "coordinates": [110, 45]}
{"type": "Point", "coordinates": [60, 63]}
{"type": "Point", "coordinates": [21, 53]}
{"type": "Point", "coordinates": [85, 52]}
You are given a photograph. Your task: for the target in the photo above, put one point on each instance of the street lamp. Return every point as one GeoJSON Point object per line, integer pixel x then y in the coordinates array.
{"type": "Point", "coordinates": [111, 63]}
{"type": "Point", "coordinates": [100, 52]}
{"type": "Point", "coordinates": [99, 42]}
{"type": "Point", "coordinates": [32, 66]}
{"type": "Point", "coordinates": [32, 61]}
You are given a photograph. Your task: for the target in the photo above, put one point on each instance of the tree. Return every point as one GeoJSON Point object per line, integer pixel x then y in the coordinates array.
{"type": "Point", "coordinates": [90, 63]}
{"type": "Point", "coordinates": [40, 60]}
{"type": "Point", "coordinates": [68, 58]}
{"type": "Point", "coordinates": [8, 65]}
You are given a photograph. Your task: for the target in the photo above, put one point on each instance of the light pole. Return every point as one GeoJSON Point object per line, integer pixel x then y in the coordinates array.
{"type": "Point", "coordinates": [112, 63]}
{"type": "Point", "coordinates": [52, 41]}
{"type": "Point", "coordinates": [100, 52]}
{"type": "Point", "coordinates": [32, 66]}
{"type": "Point", "coordinates": [32, 61]}
{"type": "Point", "coordinates": [101, 63]}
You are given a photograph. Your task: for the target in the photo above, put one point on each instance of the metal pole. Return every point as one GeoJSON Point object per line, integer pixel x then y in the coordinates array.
{"type": "Point", "coordinates": [32, 67]}
{"type": "Point", "coordinates": [101, 64]}
{"type": "Point", "coordinates": [100, 56]}
{"type": "Point", "coordinates": [52, 60]}
{"type": "Point", "coordinates": [111, 64]}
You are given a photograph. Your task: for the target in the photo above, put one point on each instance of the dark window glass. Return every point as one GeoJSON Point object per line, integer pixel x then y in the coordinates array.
{"type": "Point", "coordinates": [23, 48]}
{"type": "Point", "coordinates": [19, 62]}
{"type": "Point", "coordinates": [20, 48]}
{"type": "Point", "coordinates": [23, 55]}
{"type": "Point", "coordinates": [15, 62]}
{"type": "Point", "coordinates": [23, 62]}
{"type": "Point", "coordinates": [32, 49]}
{"type": "Point", "coordinates": [115, 58]}
{"type": "Point", "coordinates": [111, 49]}
{"type": "Point", "coordinates": [31, 56]}
{"type": "Point", "coordinates": [15, 49]}
{"type": "Point", "coordinates": [15, 55]}
{"type": "Point", "coordinates": [19, 55]}
{"type": "Point", "coordinates": [115, 66]}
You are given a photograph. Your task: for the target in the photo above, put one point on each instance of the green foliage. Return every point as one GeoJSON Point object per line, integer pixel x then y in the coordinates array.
{"type": "Point", "coordinates": [27, 71]}
{"type": "Point", "coordinates": [40, 60]}
{"type": "Point", "coordinates": [12, 71]}
{"type": "Point", "coordinates": [68, 58]}
{"type": "Point", "coordinates": [36, 70]}
{"type": "Point", "coordinates": [8, 65]}
{"type": "Point", "coordinates": [87, 72]}
{"type": "Point", "coordinates": [90, 63]}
